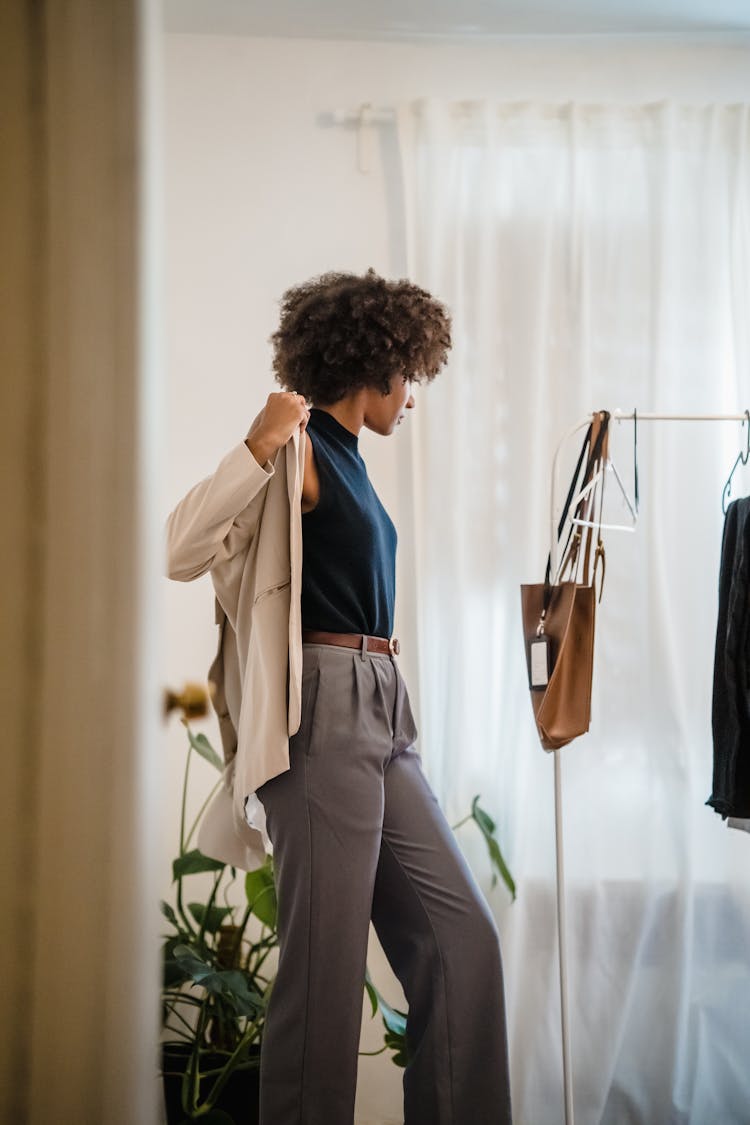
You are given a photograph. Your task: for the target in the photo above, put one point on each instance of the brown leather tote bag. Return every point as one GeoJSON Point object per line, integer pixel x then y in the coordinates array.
{"type": "Point", "coordinates": [559, 618]}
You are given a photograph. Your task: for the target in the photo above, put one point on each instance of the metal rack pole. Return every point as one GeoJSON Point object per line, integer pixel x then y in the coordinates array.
{"type": "Point", "coordinates": [618, 416]}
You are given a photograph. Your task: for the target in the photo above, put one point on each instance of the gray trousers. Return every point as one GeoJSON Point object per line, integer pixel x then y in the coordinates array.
{"type": "Point", "coordinates": [358, 834]}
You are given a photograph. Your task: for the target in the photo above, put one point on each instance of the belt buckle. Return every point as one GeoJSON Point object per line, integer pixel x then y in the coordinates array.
{"type": "Point", "coordinates": [393, 646]}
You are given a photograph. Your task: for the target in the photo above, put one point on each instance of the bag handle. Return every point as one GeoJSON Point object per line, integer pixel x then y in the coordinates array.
{"type": "Point", "coordinates": [598, 430]}
{"type": "Point", "coordinates": [599, 553]}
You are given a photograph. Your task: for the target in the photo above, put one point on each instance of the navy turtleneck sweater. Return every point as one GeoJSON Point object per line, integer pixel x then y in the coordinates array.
{"type": "Point", "coordinates": [348, 540]}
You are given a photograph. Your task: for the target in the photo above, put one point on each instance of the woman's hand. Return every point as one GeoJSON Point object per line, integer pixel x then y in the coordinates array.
{"type": "Point", "coordinates": [272, 428]}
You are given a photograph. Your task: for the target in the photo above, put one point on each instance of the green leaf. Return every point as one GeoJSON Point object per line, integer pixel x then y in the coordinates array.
{"type": "Point", "coordinates": [169, 913]}
{"type": "Point", "coordinates": [202, 746]}
{"type": "Point", "coordinates": [394, 1020]}
{"type": "Point", "coordinates": [483, 818]}
{"type": "Point", "coordinates": [260, 889]}
{"type": "Point", "coordinates": [400, 1047]}
{"type": "Point", "coordinates": [487, 828]}
{"type": "Point", "coordinates": [231, 984]}
{"type": "Point", "coordinates": [194, 862]}
{"type": "Point", "coordinates": [172, 973]}
{"type": "Point", "coordinates": [496, 857]}
{"type": "Point", "coordinates": [213, 916]}
{"type": "Point", "coordinates": [372, 992]}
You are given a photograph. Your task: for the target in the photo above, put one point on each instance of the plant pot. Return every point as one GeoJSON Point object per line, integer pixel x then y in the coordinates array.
{"type": "Point", "coordinates": [239, 1097]}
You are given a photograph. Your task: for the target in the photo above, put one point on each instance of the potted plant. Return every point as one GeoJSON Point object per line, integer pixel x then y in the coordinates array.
{"type": "Point", "coordinates": [215, 985]}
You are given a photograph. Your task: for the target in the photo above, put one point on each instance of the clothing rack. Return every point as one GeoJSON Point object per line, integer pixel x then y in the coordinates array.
{"type": "Point", "coordinates": [618, 416]}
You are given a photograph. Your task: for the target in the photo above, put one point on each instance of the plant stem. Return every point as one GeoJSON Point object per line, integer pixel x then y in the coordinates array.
{"type": "Point", "coordinates": [251, 1032]}
{"type": "Point", "coordinates": [209, 904]}
{"type": "Point", "coordinates": [193, 1070]}
{"type": "Point", "coordinates": [205, 804]}
{"type": "Point", "coordinates": [184, 797]}
{"type": "Point", "coordinates": [185, 997]}
{"type": "Point", "coordinates": [261, 957]}
{"type": "Point", "coordinates": [173, 1012]}
{"type": "Point", "coordinates": [240, 935]}
{"type": "Point", "coordinates": [178, 903]}
{"type": "Point", "coordinates": [178, 897]}
{"type": "Point", "coordinates": [228, 885]}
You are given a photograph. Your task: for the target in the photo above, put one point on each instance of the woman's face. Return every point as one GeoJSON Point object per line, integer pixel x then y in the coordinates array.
{"type": "Point", "coordinates": [385, 412]}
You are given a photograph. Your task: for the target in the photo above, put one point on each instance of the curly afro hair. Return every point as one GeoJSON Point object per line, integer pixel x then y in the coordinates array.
{"type": "Point", "coordinates": [339, 332]}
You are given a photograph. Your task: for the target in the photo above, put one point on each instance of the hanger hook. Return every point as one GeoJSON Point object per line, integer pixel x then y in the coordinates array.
{"type": "Point", "coordinates": [743, 457]}
{"type": "Point", "coordinates": [635, 454]}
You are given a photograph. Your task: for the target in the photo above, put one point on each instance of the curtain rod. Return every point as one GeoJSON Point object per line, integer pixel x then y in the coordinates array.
{"type": "Point", "coordinates": [367, 114]}
{"type": "Point", "coordinates": [364, 115]}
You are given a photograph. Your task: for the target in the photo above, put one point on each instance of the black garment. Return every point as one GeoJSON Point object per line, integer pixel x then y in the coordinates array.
{"type": "Point", "coordinates": [731, 692]}
{"type": "Point", "coordinates": [348, 540]}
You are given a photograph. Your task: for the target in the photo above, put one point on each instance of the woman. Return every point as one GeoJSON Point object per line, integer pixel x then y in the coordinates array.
{"type": "Point", "coordinates": [357, 832]}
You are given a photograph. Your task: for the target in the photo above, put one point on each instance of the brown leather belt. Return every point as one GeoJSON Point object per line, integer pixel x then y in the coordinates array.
{"type": "Point", "coordinates": [352, 640]}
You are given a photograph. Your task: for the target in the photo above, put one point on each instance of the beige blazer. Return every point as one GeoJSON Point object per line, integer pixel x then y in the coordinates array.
{"type": "Point", "coordinates": [243, 524]}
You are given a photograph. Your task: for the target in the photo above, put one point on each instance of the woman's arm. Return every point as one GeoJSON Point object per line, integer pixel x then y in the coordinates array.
{"type": "Point", "coordinates": [310, 479]}
{"type": "Point", "coordinates": [217, 517]}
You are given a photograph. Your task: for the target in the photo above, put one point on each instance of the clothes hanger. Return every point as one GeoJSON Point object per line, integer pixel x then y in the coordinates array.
{"type": "Point", "coordinates": [600, 474]}
{"type": "Point", "coordinates": [743, 457]}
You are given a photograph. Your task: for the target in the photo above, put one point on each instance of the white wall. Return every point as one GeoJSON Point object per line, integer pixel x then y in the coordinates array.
{"type": "Point", "coordinates": [261, 193]}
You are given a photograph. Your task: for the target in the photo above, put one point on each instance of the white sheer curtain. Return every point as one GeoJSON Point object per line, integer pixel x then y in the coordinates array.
{"type": "Point", "coordinates": [593, 256]}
